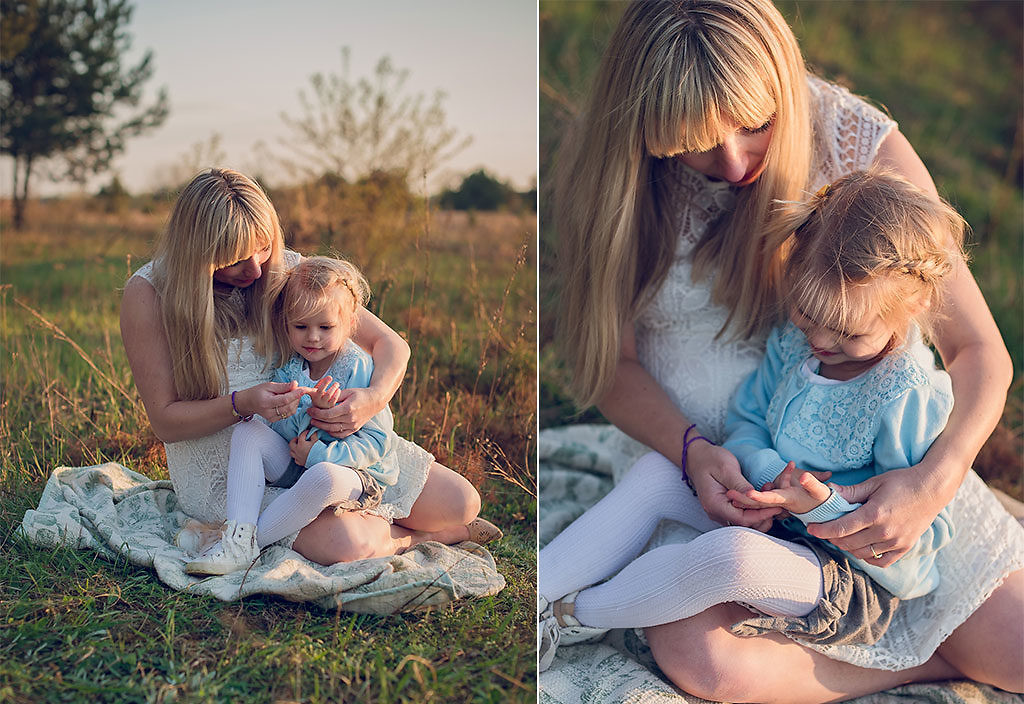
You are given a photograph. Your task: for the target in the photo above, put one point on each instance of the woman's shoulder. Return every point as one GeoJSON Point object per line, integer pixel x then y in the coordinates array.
{"type": "Point", "coordinates": [144, 272]}
{"type": "Point", "coordinates": [847, 130]}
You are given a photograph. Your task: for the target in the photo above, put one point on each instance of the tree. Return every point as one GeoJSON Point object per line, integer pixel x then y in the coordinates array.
{"type": "Point", "coordinates": [356, 146]}
{"type": "Point", "coordinates": [354, 128]}
{"type": "Point", "coordinates": [63, 92]}
{"type": "Point", "coordinates": [479, 191]}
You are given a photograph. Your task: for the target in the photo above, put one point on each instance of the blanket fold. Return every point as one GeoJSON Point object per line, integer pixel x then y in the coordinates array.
{"type": "Point", "coordinates": [116, 511]}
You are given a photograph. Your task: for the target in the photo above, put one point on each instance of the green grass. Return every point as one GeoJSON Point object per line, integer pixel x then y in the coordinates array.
{"type": "Point", "coordinates": [76, 627]}
{"type": "Point", "coordinates": [948, 72]}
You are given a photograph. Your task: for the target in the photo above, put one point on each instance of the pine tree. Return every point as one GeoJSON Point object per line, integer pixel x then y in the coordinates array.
{"type": "Point", "coordinates": [61, 83]}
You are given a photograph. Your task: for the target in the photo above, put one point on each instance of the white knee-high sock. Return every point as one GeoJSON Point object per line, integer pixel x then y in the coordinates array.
{"type": "Point", "coordinates": [614, 531]}
{"type": "Point", "coordinates": [322, 485]}
{"type": "Point", "coordinates": [672, 582]}
{"type": "Point", "coordinates": [258, 454]}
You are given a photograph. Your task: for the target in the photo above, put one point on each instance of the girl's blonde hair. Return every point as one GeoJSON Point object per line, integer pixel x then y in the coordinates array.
{"type": "Point", "coordinates": [870, 228]}
{"type": "Point", "coordinates": [675, 77]}
{"type": "Point", "coordinates": [316, 284]}
{"type": "Point", "coordinates": [219, 218]}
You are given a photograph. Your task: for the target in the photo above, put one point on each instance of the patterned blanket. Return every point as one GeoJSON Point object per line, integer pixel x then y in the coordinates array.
{"type": "Point", "coordinates": [115, 511]}
{"type": "Point", "coordinates": [575, 470]}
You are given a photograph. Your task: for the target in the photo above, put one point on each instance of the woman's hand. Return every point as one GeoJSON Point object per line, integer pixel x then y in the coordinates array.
{"type": "Point", "coordinates": [274, 400]}
{"type": "Point", "coordinates": [353, 409]}
{"type": "Point", "coordinates": [713, 472]}
{"type": "Point", "coordinates": [897, 510]}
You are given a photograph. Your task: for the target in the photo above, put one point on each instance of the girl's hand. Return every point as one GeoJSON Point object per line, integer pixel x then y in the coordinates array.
{"type": "Point", "coordinates": [299, 447]}
{"type": "Point", "coordinates": [795, 490]}
{"type": "Point", "coordinates": [353, 409]}
{"type": "Point", "coordinates": [714, 471]}
{"type": "Point", "coordinates": [325, 393]}
{"type": "Point", "coordinates": [274, 400]}
{"type": "Point", "coordinates": [897, 510]}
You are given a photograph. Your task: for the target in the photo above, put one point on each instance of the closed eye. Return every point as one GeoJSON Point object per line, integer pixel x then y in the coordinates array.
{"type": "Point", "coordinates": [762, 128]}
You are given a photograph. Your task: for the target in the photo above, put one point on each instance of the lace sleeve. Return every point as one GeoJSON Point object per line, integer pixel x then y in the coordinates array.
{"type": "Point", "coordinates": [847, 131]}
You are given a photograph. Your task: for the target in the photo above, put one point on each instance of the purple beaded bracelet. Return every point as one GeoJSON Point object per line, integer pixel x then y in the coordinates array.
{"type": "Point", "coordinates": [234, 409]}
{"type": "Point", "coordinates": [687, 441]}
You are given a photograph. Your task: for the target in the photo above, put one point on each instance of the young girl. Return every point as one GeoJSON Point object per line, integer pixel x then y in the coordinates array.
{"type": "Point", "coordinates": [315, 315]}
{"type": "Point", "coordinates": [846, 387]}
{"type": "Point", "coordinates": [843, 387]}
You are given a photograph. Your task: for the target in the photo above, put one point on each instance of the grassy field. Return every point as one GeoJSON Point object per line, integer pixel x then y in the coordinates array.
{"type": "Point", "coordinates": [75, 627]}
{"type": "Point", "coordinates": [964, 117]}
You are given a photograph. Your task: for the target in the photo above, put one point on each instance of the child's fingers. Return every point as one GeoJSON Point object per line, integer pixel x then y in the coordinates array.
{"type": "Point", "coordinates": [813, 487]}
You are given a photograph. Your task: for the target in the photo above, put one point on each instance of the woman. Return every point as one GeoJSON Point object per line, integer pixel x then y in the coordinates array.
{"type": "Point", "coordinates": [196, 327]}
{"type": "Point", "coordinates": [702, 115]}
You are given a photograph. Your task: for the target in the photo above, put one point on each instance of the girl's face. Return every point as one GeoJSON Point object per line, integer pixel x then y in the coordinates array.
{"type": "Point", "coordinates": [245, 271]}
{"type": "Point", "coordinates": [739, 157]}
{"type": "Point", "coordinates": [319, 337]}
{"type": "Point", "coordinates": [845, 354]}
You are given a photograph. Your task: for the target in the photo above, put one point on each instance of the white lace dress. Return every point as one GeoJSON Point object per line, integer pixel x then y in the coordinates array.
{"type": "Point", "coordinates": [676, 343]}
{"type": "Point", "coordinates": [198, 467]}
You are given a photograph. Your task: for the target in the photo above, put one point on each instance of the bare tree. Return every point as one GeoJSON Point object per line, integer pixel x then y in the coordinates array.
{"type": "Point", "coordinates": [353, 128]}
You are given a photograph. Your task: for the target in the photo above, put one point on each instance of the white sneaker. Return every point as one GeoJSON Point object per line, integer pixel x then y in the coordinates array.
{"type": "Point", "coordinates": [235, 550]}
{"type": "Point", "coordinates": [559, 627]}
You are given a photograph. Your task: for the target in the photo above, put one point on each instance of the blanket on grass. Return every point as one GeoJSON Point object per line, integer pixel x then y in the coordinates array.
{"type": "Point", "coordinates": [115, 511]}
{"type": "Point", "coordinates": [576, 468]}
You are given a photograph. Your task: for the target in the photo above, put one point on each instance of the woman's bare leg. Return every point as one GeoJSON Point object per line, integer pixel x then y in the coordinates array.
{"type": "Point", "coordinates": [989, 646]}
{"type": "Point", "coordinates": [447, 503]}
{"type": "Point", "coordinates": [701, 656]}
{"type": "Point", "coordinates": [448, 500]}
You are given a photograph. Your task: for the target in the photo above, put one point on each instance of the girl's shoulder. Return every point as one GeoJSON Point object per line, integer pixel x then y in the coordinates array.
{"type": "Point", "coordinates": [907, 371]}
{"type": "Point", "coordinates": [352, 366]}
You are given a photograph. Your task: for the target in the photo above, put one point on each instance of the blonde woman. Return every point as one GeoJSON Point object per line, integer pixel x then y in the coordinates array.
{"type": "Point", "coordinates": [702, 116]}
{"type": "Point", "coordinates": [196, 325]}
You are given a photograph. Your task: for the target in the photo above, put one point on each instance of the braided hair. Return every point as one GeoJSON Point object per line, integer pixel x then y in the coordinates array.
{"type": "Point", "coordinates": [870, 228]}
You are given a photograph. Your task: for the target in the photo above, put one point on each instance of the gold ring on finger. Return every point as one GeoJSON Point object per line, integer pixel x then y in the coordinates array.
{"type": "Point", "coordinates": [874, 553]}
{"type": "Point", "coordinates": [279, 414]}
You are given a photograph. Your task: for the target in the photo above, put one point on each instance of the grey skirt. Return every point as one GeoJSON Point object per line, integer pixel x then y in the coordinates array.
{"type": "Point", "coordinates": [853, 611]}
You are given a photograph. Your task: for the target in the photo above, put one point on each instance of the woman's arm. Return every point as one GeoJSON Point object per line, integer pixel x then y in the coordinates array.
{"type": "Point", "coordinates": [639, 407]}
{"type": "Point", "coordinates": [900, 505]}
{"type": "Point", "coordinates": [149, 356]}
{"type": "Point", "coordinates": [356, 406]}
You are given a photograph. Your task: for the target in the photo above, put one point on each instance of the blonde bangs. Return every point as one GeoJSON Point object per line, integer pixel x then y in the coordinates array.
{"type": "Point", "coordinates": [708, 87]}
{"type": "Point", "coordinates": [242, 236]}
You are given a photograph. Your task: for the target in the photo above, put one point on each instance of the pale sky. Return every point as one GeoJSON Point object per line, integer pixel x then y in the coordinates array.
{"type": "Point", "coordinates": [232, 67]}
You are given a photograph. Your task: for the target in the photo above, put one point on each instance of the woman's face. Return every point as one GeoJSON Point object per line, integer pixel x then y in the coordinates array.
{"type": "Point", "coordinates": [739, 157]}
{"type": "Point", "coordinates": [243, 272]}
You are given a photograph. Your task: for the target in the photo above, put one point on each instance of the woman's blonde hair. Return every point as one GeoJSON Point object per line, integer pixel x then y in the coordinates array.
{"type": "Point", "coordinates": [219, 218]}
{"type": "Point", "coordinates": [870, 228]}
{"type": "Point", "coordinates": [675, 77]}
{"type": "Point", "coordinates": [316, 284]}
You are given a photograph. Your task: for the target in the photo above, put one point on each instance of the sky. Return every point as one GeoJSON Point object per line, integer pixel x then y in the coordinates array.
{"type": "Point", "coordinates": [232, 67]}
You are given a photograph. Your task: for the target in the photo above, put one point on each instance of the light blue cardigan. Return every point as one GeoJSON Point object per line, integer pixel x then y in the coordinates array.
{"type": "Point", "coordinates": [884, 419]}
{"type": "Point", "coordinates": [363, 448]}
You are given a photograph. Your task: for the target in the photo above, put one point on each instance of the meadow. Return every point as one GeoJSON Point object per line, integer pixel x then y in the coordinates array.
{"type": "Point", "coordinates": [964, 117]}
{"type": "Point", "coordinates": [75, 627]}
